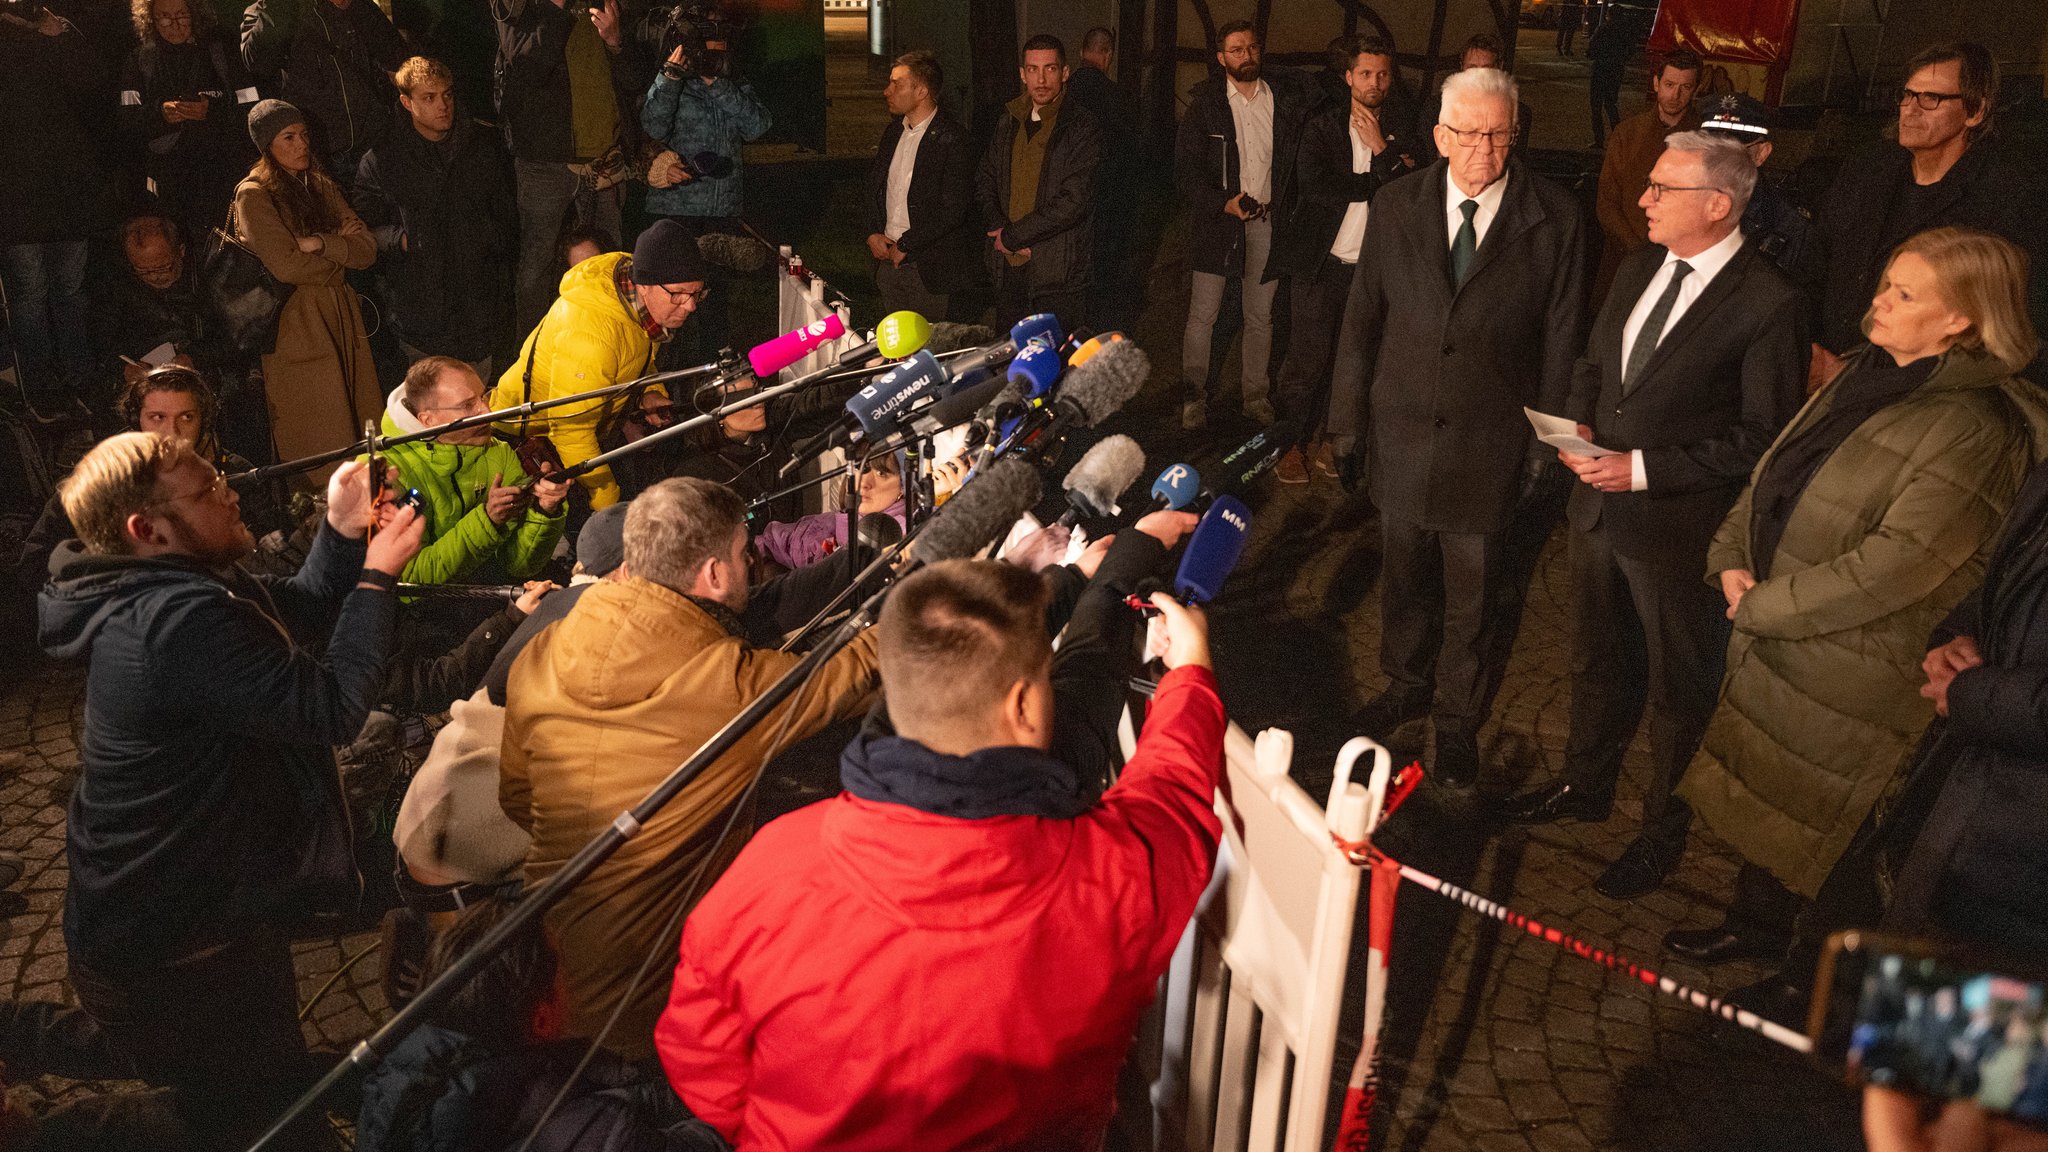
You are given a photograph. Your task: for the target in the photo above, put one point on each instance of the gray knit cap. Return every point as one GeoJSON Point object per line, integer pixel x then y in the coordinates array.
{"type": "Point", "coordinates": [268, 118]}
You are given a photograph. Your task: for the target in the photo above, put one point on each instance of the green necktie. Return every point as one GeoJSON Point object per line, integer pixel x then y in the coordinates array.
{"type": "Point", "coordinates": [1466, 244]}
{"type": "Point", "coordinates": [1653, 326]}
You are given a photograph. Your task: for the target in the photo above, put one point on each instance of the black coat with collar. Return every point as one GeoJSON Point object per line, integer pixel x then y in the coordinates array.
{"type": "Point", "coordinates": [1452, 368]}
{"type": "Point", "coordinates": [1059, 229]}
{"type": "Point", "coordinates": [1324, 187]}
{"type": "Point", "coordinates": [943, 242]}
{"type": "Point", "coordinates": [1712, 397]}
{"type": "Point", "coordinates": [1860, 224]}
{"type": "Point", "coordinates": [1205, 164]}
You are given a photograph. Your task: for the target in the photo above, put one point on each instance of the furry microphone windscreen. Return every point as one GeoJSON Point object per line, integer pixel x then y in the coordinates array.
{"type": "Point", "coordinates": [950, 337]}
{"type": "Point", "coordinates": [1103, 473]}
{"type": "Point", "coordinates": [1106, 382]}
{"type": "Point", "coordinates": [980, 513]}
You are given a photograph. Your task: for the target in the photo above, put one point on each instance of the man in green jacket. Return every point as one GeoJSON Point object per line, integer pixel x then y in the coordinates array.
{"type": "Point", "coordinates": [483, 524]}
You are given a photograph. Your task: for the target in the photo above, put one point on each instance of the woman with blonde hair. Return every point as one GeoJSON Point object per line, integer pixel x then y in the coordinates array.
{"type": "Point", "coordinates": [1866, 522]}
{"type": "Point", "coordinates": [319, 376]}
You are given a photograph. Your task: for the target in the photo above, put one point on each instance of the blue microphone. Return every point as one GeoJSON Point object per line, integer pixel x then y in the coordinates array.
{"type": "Point", "coordinates": [1213, 550]}
{"type": "Point", "coordinates": [1039, 327]}
{"type": "Point", "coordinates": [1176, 488]}
{"type": "Point", "coordinates": [879, 407]}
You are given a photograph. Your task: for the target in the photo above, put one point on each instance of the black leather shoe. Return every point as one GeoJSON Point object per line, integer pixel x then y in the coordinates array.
{"type": "Point", "coordinates": [1555, 801]}
{"type": "Point", "coordinates": [1718, 945]}
{"type": "Point", "coordinates": [1775, 999]}
{"type": "Point", "coordinates": [1457, 760]}
{"type": "Point", "coordinates": [1385, 713]}
{"type": "Point", "coordinates": [1639, 871]}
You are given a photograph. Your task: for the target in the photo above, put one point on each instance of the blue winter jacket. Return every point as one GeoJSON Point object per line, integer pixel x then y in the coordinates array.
{"type": "Point", "coordinates": [705, 124]}
{"type": "Point", "coordinates": [208, 804]}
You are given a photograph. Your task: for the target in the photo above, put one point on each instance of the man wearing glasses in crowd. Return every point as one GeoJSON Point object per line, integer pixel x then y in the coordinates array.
{"type": "Point", "coordinates": [1939, 173]}
{"type": "Point", "coordinates": [485, 523]}
{"type": "Point", "coordinates": [613, 310]}
{"type": "Point", "coordinates": [1473, 283]}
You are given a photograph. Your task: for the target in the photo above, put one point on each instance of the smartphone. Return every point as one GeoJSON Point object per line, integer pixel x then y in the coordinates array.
{"type": "Point", "coordinates": [1931, 1020]}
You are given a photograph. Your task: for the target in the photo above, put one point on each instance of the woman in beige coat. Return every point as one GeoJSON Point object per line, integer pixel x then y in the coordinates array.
{"type": "Point", "coordinates": [1869, 518]}
{"type": "Point", "coordinates": [319, 377]}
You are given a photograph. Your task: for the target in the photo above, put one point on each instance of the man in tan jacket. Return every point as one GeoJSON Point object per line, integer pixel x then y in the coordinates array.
{"type": "Point", "coordinates": [607, 702]}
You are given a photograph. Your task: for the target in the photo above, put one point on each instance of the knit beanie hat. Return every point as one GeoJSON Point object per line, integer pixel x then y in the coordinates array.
{"type": "Point", "coordinates": [667, 254]}
{"type": "Point", "coordinates": [601, 546]}
{"type": "Point", "coordinates": [268, 118]}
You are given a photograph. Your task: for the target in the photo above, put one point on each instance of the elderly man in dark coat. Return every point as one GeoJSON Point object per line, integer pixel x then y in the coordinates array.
{"type": "Point", "coordinates": [1473, 280]}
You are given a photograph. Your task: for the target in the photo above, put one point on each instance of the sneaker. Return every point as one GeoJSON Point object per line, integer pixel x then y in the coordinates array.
{"type": "Point", "coordinates": [1194, 414]}
{"type": "Point", "coordinates": [1322, 460]}
{"type": "Point", "coordinates": [1292, 469]}
{"type": "Point", "coordinates": [1259, 411]}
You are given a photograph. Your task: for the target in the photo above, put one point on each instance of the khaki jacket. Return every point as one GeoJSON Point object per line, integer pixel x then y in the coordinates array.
{"type": "Point", "coordinates": [1820, 705]}
{"type": "Point", "coordinates": [601, 707]}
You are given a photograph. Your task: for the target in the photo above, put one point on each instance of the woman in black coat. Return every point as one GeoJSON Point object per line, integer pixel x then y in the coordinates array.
{"type": "Point", "coordinates": [1976, 871]}
{"type": "Point", "coordinates": [184, 104]}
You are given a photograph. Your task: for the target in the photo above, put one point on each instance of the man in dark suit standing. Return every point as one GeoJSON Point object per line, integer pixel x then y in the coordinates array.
{"type": "Point", "coordinates": [1113, 290]}
{"type": "Point", "coordinates": [1347, 151]}
{"type": "Point", "coordinates": [921, 196]}
{"type": "Point", "coordinates": [1695, 362]}
{"type": "Point", "coordinates": [1473, 288]}
{"type": "Point", "coordinates": [1035, 190]}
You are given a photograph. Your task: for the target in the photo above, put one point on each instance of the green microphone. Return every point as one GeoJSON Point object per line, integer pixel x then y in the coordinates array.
{"type": "Point", "coordinates": [902, 334]}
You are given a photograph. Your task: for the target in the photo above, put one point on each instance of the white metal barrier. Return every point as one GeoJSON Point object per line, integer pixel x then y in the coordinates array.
{"type": "Point", "coordinates": [802, 296]}
{"type": "Point", "coordinates": [1240, 1050]}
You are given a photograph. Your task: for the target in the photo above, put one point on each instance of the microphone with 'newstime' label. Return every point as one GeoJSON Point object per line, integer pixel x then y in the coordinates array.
{"type": "Point", "coordinates": [1213, 551]}
{"type": "Point", "coordinates": [1176, 488]}
{"type": "Point", "coordinates": [880, 406]}
{"type": "Point", "coordinates": [1101, 475]}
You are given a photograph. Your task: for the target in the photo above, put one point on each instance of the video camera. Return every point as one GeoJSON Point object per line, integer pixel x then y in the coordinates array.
{"type": "Point", "coordinates": [693, 26]}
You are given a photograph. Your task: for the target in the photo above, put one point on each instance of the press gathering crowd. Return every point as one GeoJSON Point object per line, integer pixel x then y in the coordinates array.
{"type": "Point", "coordinates": [1804, 524]}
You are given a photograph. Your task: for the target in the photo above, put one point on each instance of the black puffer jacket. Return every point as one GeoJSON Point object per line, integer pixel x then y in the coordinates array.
{"type": "Point", "coordinates": [208, 802]}
{"type": "Point", "coordinates": [443, 1091]}
{"type": "Point", "coordinates": [195, 164]}
{"type": "Point", "coordinates": [447, 236]}
{"type": "Point", "coordinates": [336, 66]}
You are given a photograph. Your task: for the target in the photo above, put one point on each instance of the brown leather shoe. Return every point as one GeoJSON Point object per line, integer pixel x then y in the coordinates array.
{"type": "Point", "coordinates": [1292, 469]}
{"type": "Point", "coordinates": [1321, 459]}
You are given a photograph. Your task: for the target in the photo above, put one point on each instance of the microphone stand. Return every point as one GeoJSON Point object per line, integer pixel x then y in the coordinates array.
{"type": "Point", "coordinates": [378, 444]}
{"type": "Point", "coordinates": [372, 1050]}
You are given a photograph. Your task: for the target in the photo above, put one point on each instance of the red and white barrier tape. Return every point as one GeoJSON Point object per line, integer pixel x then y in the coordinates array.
{"type": "Point", "coordinates": [1354, 1126]}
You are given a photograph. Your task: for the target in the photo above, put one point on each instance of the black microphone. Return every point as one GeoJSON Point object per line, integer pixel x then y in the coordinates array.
{"type": "Point", "coordinates": [981, 513]}
{"type": "Point", "coordinates": [1249, 461]}
{"type": "Point", "coordinates": [1099, 477]}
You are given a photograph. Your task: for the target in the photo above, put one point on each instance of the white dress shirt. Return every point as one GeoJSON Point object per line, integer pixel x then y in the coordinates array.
{"type": "Point", "coordinates": [1705, 266]}
{"type": "Point", "coordinates": [1253, 116]}
{"type": "Point", "coordinates": [1489, 206]}
{"type": "Point", "coordinates": [1351, 233]}
{"type": "Point", "coordinates": [896, 200]}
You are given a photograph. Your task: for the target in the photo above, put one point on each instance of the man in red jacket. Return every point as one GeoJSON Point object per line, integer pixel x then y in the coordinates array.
{"type": "Point", "coordinates": [954, 952]}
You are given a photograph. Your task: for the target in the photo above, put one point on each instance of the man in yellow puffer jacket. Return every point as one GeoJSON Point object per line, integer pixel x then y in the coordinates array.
{"type": "Point", "coordinates": [602, 330]}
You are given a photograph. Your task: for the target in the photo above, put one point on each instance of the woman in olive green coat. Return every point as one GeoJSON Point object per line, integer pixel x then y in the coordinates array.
{"type": "Point", "coordinates": [1868, 519]}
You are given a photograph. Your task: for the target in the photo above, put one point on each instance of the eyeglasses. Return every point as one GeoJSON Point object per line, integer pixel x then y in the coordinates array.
{"type": "Point", "coordinates": [1927, 101]}
{"type": "Point", "coordinates": [184, 20]}
{"type": "Point", "coordinates": [1657, 190]}
{"type": "Point", "coordinates": [678, 295]}
{"type": "Point", "coordinates": [216, 490]}
{"type": "Point", "coordinates": [474, 404]}
{"type": "Point", "coordinates": [1473, 137]}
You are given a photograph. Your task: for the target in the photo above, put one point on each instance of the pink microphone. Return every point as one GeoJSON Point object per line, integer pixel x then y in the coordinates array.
{"type": "Point", "coordinates": [773, 356]}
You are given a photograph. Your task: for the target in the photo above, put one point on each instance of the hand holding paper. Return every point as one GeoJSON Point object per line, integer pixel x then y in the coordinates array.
{"type": "Point", "coordinates": [1563, 435]}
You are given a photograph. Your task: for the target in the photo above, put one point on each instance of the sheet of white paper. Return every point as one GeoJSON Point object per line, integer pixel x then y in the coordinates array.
{"type": "Point", "coordinates": [160, 355]}
{"type": "Point", "coordinates": [1562, 434]}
